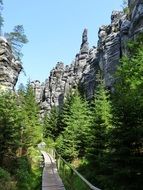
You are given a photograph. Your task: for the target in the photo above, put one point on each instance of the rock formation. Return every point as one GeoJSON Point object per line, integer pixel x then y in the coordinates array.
{"type": "Point", "coordinates": [9, 66]}
{"type": "Point", "coordinates": [88, 62]}
{"type": "Point", "coordinates": [84, 46]}
{"type": "Point", "coordinates": [136, 16]}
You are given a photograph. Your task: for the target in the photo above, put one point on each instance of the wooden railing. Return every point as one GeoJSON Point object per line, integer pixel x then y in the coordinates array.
{"type": "Point", "coordinates": [72, 179]}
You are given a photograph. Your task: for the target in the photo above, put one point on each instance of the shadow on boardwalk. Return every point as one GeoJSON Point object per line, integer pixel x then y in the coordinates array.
{"type": "Point", "coordinates": [50, 178]}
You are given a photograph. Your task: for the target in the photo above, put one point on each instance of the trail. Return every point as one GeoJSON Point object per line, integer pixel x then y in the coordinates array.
{"type": "Point", "coordinates": [50, 178]}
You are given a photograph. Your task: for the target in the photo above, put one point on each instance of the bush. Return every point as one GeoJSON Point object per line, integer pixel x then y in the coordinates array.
{"type": "Point", "coordinates": [6, 181]}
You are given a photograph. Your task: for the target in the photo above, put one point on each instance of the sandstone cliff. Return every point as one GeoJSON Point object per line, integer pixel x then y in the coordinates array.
{"type": "Point", "coordinates": [9, 66]}
{"type": "Point", "coordinates": [105, 57]}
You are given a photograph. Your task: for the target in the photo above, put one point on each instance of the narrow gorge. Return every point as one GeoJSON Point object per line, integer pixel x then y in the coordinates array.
{"type": "Point", "coordinates": [85, 121]}
{"type": "Point", "coordinates": [89, 61]}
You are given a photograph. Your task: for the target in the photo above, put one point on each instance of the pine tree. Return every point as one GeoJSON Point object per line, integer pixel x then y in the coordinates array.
{"type": "Point", "coordinates": [31, 130]}
{"type": "Point", "coordinates": [78, 122]}
{"type": "Point", "coordinates": [50, 123]}
{"type": "Point", "coordinates": [9, 127]}
{"type": "Point", "coordinates": [55, 121]}
{"type": "Point", "coordinates": [64, 112]}
{"type": "Point", "coordinates": [101, 122]}
{"type": "Point", "coordinates": [17, 38]}
{"type": "Point", "coordinates": [126, 136]}
{"type": "Point", "coordinates": [98, 138]}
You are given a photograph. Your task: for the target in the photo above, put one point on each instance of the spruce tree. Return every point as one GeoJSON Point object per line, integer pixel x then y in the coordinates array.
{"type": "Point", "coordinates": [75, 134]}
{"type": "Point", "coordinates": [101, 121]}
{"type": "Point", "coordinates": [98, 138]}
{"type": "Point", "coordinates": [10, 127]}
{"type": "Point", "coordinates": [31, 130]}
{"type": "Point", "coordinates": [126, 136]}
{"type": "Point", "coordinates": [64, 112]}
{"type": "Point", "coordinates": [50, 123]}
{"type": "Point", "coordinates": [17, 38]}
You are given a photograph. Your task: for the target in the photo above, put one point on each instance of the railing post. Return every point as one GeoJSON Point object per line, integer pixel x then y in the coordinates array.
{"type": "Point", "coordinates": [62, 164]}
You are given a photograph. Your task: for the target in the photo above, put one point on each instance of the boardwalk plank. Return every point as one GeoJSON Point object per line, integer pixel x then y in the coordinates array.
{"type": "Point", "coordinates": [50, 178]}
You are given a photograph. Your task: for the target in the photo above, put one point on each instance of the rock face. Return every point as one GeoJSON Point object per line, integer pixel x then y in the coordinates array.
{"type": "Point", "coordinates": [84, 46]}
{"type": "Point", "coordinates": [136, 16]}
{"type": "Point", "coordinates": [88, 63]}
{"type": "Point", "coordinates": [9, 66]}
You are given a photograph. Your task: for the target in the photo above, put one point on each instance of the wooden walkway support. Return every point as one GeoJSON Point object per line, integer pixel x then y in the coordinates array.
{"type": "Point", "coordinates": [50, 178]}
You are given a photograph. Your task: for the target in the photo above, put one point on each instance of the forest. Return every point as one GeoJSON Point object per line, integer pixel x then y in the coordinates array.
{"type": "Point", "coordinates": [102, 138]}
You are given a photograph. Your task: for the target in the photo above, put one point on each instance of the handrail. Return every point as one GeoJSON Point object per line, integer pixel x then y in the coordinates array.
{"type": "Point", "coordinates": [75, 171]}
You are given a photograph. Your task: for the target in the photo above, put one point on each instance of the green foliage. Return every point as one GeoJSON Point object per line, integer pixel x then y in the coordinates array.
{"type": "Point", "coordinates": [101, 123]}
{"type": "Point", "coordinates": [28, 173]}
{"type": "Point", "coordinates": [23, 173]}
{"type": "Point", "coordinates": [50, 144]}
{"type": "Point", "coordinates": [97, 148]}
{"type": "Point", "coordinates": [64, 113]}
{"type": "Point", "coordinates": [72, 141]}
{"type": "Point", "coordinates": [6, 180]}
{"type": "Point", "coordinates": [54, 122]}
{"type": "Point", "coordinates": [9, 127]}
{"type": "Point", "coordinates": [31, 130]}
{"type": "Point", "coordinates": [17, 38]}
{"type": "Point", "coordinates": [50, 123]}
{"type": "Point", "coordinates": [71, 180]}
{"type": "Point", "coordinates": [125, 7]}
{"type": "Point", "coordinates": [110, 136]}
{"type": "Point", "coordinates": [20, 132]}
{"type": "Point", "coordinates": [34, 157]}
{"type": "Point", "coordinates": [4, 175]}
{"type": "Point", "coordinates": [126, 136]}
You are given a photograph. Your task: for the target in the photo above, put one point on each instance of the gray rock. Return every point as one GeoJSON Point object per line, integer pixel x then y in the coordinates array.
{"type": "Point", "coordinates": [10, 68]}
{"type": "Point", "coordinates": [109, 47]}
{"type": "Point", "coordinates": [84, 70]}
{"type": "Point", "coordinates": [84, 46]}
{"type": "Point", "coordinates": [38, 89]}
{"type": "Point", "coordinates": [136, 17]}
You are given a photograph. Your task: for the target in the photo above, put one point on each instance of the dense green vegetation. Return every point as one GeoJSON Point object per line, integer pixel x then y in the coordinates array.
{"type": "Point", "coordinates": [20, 128]}
{"type": "Point", "coordinates": [103, 138]}
{"type": "Point", "coordinates": [16, 38]}
{"type": "Point", "coordinates": [20, 132]}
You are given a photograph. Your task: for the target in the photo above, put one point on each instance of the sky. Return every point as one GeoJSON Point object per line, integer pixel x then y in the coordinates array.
{"type": "Point", "coordinates": [54, 30]}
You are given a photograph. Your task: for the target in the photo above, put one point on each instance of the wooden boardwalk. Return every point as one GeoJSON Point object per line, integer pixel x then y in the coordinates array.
{"type": "Point", "coordinates": [50, 178]}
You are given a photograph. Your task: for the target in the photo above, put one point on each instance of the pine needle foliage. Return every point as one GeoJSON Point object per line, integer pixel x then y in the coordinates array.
{"type": "Point", "coordinates": [127, 135]}
{"type": "Point", "coordinates": [77, 120]}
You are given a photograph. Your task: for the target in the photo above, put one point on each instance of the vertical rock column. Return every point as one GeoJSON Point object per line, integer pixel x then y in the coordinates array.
{"type": "Point", "coordinates": [109, 47]}
{"type": "Point", "coordinates": [10, 68]}
{"type": "Point", "coordinates": [136, 17]}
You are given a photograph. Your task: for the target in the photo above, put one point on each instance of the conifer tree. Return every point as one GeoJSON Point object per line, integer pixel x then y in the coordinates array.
{"type": "Point", "coordinates": [50, 122]}
{"type": "Point", "coordinates": [126, 136]}
{"type": "Point", "coordinates": [101, 122]}
{"type": "Point", "coordinates": [31, 130]}
{"type": "Point", "coordinates": [78, 122]}
{"type": "Point", "coordinates": [17, 38]}
{"type": "Point", "coordinates": [9, 127]}
{"type": "Point", "coordinates": [98, 139]}
{"type": "Point", "coordinates": [64, 112]}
